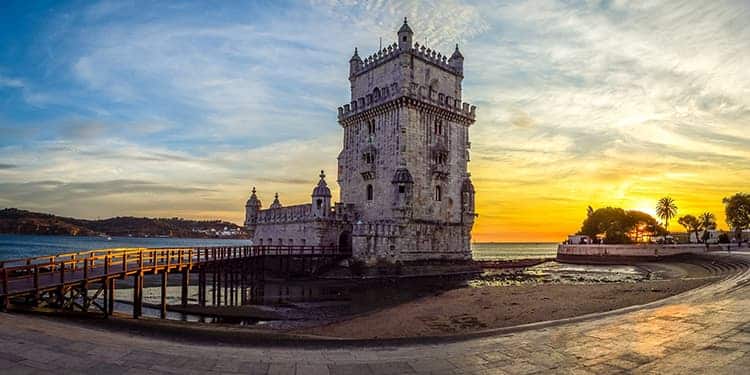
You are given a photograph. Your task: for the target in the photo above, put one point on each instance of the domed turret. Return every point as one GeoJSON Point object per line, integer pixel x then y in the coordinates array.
{"type": "Point", "coordinates": [276, 203]}
{"type": "Point", "coordinates": [321, 198]}
{"type": "Point", "coordinates": [252, 207]}
{"type": "Point", "coordinates": [404, 36]}
{"type": "Point", "coordinates": [457, 60]}
{"type": "Point", "coordinates": [355, 63]}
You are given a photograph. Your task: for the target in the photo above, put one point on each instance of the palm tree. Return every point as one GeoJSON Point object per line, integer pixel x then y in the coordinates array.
{"type": "Point", "coordinates": [692, 225]}
{"type": "Point", "coordinates": [666, 209]}
{"type": "Point", "coordinates": [707, 222]}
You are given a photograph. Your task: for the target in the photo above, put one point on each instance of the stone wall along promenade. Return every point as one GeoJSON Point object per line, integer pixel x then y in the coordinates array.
{"type": "Point", "coordinates": [640, 251]}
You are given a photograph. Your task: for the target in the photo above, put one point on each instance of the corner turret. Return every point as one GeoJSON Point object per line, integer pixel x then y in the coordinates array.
{"type": "Point", "coordinates": [404, 36]}
{"type": "Point", "coordinates": [321, 198]}
{"type": "Point", "coordinates": [252, 207]}
{"type": "Point", "coordinates": [355, 63]}
{"type": "Point", "coordinates": [276, 203]}
{"type": "Point", "coordinates": [457, 61]}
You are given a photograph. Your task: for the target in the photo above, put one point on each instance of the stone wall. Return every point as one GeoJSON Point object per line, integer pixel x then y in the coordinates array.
{"type": "Point", "coordinates": [630, 251]}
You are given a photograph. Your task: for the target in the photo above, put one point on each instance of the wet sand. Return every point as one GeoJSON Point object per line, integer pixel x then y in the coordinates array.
{"type": "Point", "coordinates": [472, 309]}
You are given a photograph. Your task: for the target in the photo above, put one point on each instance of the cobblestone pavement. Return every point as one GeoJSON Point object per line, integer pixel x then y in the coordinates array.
{"type": "Point", "coordinates": [706, 330]}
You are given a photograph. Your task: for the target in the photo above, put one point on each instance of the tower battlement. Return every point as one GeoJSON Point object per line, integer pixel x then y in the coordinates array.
{"type": "Point", "coordinates": [393, 51]}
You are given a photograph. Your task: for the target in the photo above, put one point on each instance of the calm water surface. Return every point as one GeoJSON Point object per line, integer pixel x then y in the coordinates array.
{"type": "Point", "coordinates": [14, 246]}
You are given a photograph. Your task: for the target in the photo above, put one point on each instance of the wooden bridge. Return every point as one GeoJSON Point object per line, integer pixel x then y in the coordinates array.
{"type": "Point", "coordinates": [86, 280]}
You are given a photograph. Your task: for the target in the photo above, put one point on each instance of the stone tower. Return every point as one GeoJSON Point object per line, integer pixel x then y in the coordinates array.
{"type": "Point", "coordinates": [403, 166]}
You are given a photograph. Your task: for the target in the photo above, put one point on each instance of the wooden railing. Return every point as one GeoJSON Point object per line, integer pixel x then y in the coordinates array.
{"type": "Point", "coordinates": [18, 276]}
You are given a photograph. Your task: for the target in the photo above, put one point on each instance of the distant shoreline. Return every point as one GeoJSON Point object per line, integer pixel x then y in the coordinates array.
{"type": "Point", "coordinates": [121, 236]}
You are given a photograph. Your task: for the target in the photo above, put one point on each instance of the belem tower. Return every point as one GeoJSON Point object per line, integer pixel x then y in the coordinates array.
{"type": "Point", "coordinates": [405, 192]}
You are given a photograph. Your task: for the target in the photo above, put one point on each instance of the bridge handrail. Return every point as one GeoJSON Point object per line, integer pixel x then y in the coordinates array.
{"type": "Point", "coordinates": [130, 259]}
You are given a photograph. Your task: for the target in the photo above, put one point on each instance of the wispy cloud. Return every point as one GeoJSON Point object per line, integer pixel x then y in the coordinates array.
{"type": "Point", "coordinates": [601, 102]}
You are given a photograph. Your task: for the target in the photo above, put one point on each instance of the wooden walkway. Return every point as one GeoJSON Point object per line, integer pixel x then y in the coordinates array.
{"type": "Point", "coordinates": [84, 280]}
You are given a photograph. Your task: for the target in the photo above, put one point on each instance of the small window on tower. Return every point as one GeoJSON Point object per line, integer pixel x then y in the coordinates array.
{"type": "Point", "coordinates": [369, 192]}
{"type": "Point", "coordinates": [401, 189]}
{"type": "Point", "coordinates": [404, 38]}
{"type": "Point", "coordinates": [438, 193]}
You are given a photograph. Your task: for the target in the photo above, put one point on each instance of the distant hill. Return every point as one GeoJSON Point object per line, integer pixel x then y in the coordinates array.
{"type": "Point", "coordinates": [13, 220]}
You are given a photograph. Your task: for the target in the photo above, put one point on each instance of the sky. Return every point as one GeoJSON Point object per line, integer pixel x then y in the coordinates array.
{"type": "Point", "coordinates": [168, 109]}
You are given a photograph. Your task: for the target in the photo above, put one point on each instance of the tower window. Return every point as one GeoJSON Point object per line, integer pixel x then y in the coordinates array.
{"type": "Point", "coordinates": [369, 157]}
{"type": "Point", "coordinates": [371, 127]}
{"type": "Point", "coordinates": [403, 38]}
{"type": "Point", "coordinates": [369, 192]}
{"type": "Point", "coordinates": [438, 193]}
{"type": "Point", "coordinates": [401, 189]}
{"type": "Point", "coordinates": [320, 203]}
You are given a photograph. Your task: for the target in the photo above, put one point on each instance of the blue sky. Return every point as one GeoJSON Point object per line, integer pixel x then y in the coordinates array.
{"type": "Point", "coordinates": [177, 108]}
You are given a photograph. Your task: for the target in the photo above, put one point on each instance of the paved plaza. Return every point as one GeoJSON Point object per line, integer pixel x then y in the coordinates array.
{"type": "Point", "coordinates": [706, 330]}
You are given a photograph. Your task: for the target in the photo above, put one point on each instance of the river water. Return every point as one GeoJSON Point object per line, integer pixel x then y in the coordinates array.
{"type": "Point", "coordinates": [13, 246]}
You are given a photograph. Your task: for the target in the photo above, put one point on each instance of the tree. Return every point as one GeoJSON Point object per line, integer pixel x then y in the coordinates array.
{"type": "Point", "coordinates": [619, 226]}
{"type": "Point", "coordinates": [708, 222]}
{"type": "Point", "coordinates": [666, 209]}
{"type": "Point", "coordinates": [643, 225]}
{"type": "Point", "coordinates": [737, 209]}
{"type": "Point", "coordinates": [692, 225]}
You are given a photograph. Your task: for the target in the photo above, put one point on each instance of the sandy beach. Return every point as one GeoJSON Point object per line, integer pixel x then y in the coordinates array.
{"type": "Point", "coordinates": [472, 309]}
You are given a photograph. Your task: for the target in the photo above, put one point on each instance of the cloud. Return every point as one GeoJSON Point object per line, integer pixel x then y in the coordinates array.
{"type": "Point", "coordinates": [578, 102]}
{"type": "Point", "coordinates": [84, 130]}
{"type": "Point", "coordinates": [10, 82]}
{"type": "Point", "coordinates": [521, 119]}
{"type": "Point", "coordinates": [7, 166]}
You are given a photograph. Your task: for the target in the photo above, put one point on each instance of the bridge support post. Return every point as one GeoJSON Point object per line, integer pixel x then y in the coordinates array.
{"type": "Point", "coordinates": [225, 277]}
{"type": "Point", "coordinates": [217, 273]}
{"type": "Point", "coordinates": [213, 285]}
{"type": "Point", "coordinates": [185, 286]}
{"type": "Point", "coordinates": [111, 296]}
{"type": "Point", "coordinates": [202, 286]}
{"type": "Point", "coordinates": [137, 295]}
{"type": "Point", "coordinates": [164, 277]}
{"type": "Point", "coordinates": [105, 297]}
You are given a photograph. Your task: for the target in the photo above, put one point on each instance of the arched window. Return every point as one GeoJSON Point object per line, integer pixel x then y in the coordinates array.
{"type": "Point", "coordinates": [369, 192]}
{"type": "Point", "coordinates": [319, 202]}
{"type": "Point", "coordinates": [438, 193]}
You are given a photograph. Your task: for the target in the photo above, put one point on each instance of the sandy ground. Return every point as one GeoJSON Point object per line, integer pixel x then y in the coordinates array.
{"type": "Point", "coordinates": [472, 309]}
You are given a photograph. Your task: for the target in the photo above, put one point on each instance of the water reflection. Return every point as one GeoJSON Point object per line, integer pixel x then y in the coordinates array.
{"type": "Point", "coordinates": [302, 303]}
